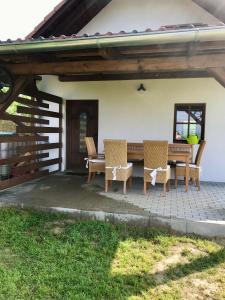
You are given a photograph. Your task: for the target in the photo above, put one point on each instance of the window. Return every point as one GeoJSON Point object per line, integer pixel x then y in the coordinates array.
{"type": "Point", "coordinates": [83, 131]}
{"type": "Point", "coordinates": [189, 119]}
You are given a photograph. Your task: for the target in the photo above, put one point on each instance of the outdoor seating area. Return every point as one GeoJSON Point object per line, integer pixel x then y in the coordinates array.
{"type": "Point", "coordinates": [157, 158]}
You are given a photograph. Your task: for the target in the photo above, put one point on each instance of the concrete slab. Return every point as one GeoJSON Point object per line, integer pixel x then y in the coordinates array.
{"type": "Point", "coordinates": [201, 213]}
{"type": "Point", "coordinates": [65, 191]}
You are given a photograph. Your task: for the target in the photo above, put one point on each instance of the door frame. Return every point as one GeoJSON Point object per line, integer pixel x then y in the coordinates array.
{"type": "Point", "coordinates": [66, 125]}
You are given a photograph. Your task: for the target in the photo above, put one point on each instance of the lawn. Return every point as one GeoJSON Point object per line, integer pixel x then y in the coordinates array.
{"type": "Point", "coordinates": [50, 256]}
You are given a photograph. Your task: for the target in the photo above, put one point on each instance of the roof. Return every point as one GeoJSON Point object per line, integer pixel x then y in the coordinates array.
{"type": "Point", "coordinates": [161, 29]}
{"type": "Point", "coordinates": [68, 17]}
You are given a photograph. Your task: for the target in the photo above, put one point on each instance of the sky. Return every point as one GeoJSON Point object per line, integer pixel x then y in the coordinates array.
{"type": "Point", "coordinates": [19, 17]}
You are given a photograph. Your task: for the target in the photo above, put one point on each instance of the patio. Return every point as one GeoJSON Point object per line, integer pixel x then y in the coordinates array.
{"type": "Point", "coordinates": [193, 212]}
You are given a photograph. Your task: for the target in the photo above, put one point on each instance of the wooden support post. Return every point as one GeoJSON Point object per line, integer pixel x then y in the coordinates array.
{"type": "Point", "coordinates": [218, 74]}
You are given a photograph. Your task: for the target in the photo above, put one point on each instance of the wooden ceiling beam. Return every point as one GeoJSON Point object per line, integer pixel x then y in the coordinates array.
{"type": "Point", "coordinates": [214, 7]}
{"type": "Point", "coordinates": [158, 64]}
{"type": "Point", "coordinates": [117, 53]}
{"type": "Point", "coordinates": [133, 76]}
{"type": "Point", "coordinates": [218, 74]}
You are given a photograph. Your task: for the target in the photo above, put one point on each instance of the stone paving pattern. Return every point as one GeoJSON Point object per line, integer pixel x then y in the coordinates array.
{"type": "Point", "coordinates": [205, 205]}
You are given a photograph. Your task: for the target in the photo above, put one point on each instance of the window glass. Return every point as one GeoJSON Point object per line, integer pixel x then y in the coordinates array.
{"type": "Point", "coordinates": [83, 131]}
{"type": "Point", "coordinates": [189, 120]}
{"type": "Point", "coordinates": [182, 116]}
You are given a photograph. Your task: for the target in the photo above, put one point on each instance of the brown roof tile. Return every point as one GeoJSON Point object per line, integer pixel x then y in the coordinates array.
{"type": "Point", "coordinates": [97, 34]}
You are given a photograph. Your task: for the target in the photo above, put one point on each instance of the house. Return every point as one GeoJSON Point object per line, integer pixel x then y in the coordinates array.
{"type": "Point", "coordinates": [133, 69]}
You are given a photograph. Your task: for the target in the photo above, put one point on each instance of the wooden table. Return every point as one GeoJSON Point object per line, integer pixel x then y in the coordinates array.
{"type": "Point", "coordinates": [176, 152]}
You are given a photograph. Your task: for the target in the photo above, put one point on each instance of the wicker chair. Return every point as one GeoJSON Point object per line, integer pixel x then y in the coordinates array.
{"type": "Point", "coordinates": [194, 169]}
{"type": "Point", "coordinates": [94, 162]}
{"type": "Point", "coordinates": [116, 165]}
{"type": "Point", "coordinates": [156, 168]}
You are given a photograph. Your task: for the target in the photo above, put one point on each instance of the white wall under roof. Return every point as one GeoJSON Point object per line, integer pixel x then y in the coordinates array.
{"type": "Point", "coordinates": [128, 114]}
{"type": "Point", "coordinates": [142, 14]}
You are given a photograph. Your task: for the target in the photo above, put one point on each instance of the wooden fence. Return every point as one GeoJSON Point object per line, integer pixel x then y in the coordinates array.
{"type": "Point", "coordinates": [25, 155]}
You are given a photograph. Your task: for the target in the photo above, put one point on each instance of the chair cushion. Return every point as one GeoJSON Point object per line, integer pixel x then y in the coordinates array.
{"type": "Point", "coordinates": [183, 165]}
{"type": "Point", "coordinates": [129, 165]}
{"type": "Point", "coordinates": [97, 160]}
{"type": "Point", "coordinates": [162, 170]}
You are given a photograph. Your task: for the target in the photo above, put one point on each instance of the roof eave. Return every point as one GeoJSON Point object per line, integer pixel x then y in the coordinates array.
{"type": "Point", "coordinates": [140, 39]}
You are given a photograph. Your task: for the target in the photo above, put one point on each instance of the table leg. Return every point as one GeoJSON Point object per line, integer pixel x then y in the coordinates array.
{"type": "Point", "coordinates": [187, 174]}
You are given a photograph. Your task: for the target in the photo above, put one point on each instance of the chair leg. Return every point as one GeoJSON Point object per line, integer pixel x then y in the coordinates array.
{"type": "Point", "coordinates": [106, 186]}
{"type": "Point", "coordinates": [124, 187]}
{"type": "Point", "coordinates": [198, 183]}
{"type": "Point", "coordinates": [145, 187]}
{"type": "Point", "coordinates": [93, 176]}
{"type": "Point", "coordinates": [175, 179]}
{"type": "Point", "coordinates": [130, 182]}
{"type": "Point", "coordinates": [164, 188]}
{"type": "Point", "coordinates": [168, 186]}
{"type": "Point", "coordinates": [89, 177]}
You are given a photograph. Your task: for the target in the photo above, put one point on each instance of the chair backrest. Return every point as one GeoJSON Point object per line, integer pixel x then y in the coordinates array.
{"type": "Point", "coordinates": [155, 154]}
{"type": "Point", "coordinates": [199, 153]}
{"type": "Point", "coordinates": [115, 153]}
{"type": "Point", "coordinates": [91, 149]}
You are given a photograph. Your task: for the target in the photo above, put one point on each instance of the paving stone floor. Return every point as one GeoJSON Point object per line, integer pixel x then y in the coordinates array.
{"type": "Point", "coordinates": [206, 205]}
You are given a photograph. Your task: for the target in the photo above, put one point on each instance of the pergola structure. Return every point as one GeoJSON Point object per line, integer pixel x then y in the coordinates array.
{"type": "Point", "coordinates": [186, 51]}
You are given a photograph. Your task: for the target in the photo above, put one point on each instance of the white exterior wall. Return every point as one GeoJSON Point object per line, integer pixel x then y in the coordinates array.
{"type": "Point", "coordinates": [125, 113]}
{"type": "Point", "coordinates": [128, 15]}
{"type": "Point", "coordinates": [128, 114]}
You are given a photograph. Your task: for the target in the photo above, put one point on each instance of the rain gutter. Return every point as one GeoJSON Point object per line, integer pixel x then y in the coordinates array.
{"type": "Point", "coordinates": [141, 39]}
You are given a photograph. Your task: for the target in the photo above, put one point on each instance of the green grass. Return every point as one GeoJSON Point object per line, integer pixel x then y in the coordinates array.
{"type": "Point", "coordinates": [49, 256]}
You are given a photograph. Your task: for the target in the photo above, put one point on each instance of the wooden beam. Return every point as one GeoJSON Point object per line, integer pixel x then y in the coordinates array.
{"type": "Point", "coordinates": [19, 83]}
{"type": "Point", "coordinates": [16, 119]}
{"type": "Point", "coordinates": [39, 112]}
{"type": "Point", "coordinates": [37, 165]}
{"type": "Point", "coordinates": [23, 138]}
{"type": "Point", "coordinates": [21, 179]}
{"type": "Point", "coordinates": [34, 103]}
{"type": "Point", "coordinates": [49, 97]}
{"type": "Point", "coordinates": [180, 63]}
{"type": "Point", "coordinates": [133, 76]}
{"type": "Point", "coordinates": [24, 149]}
{"type": "Point", "coordinates": [60, 136]}
{"type": "Point", "coordinates": [215, 8]}
{"type": "Point", "coordinates": [25, 158]}
{"type": "Point", "coordinates": [30, 129]}
{"type": "Point", "coordinates": [109, 53]}
{"type": "Point", "coordinates": [218, 74]}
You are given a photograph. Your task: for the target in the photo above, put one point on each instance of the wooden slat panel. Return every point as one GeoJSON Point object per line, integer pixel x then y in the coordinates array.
{"type": "Point", "coordinates": [34, 103]}
{"type": "Point", "coordinates": [16, 118]}
{"type": "Point", "coordinates": [38, 129]}
{"type": "Point", "coordinates": [49, 97]}
{"type": "Point", "coordinates": [60, 138]}
{"type": "Point", "coordinates": [37, 165]}
{"type": "Point", "coordinates": [36, 111]}
{"type": "Point", "coordinates": [18, 180]}
{"type": "Point", "coordinates": [22, 149]}
{"type": "Point", "coordinates": [27, 158]}
{"type": "Point", "coordinates": [24, 138]}
{"type": "Point", "coordinates": [19, 84]}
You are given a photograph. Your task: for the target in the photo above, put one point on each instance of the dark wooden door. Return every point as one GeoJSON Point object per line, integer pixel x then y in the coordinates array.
{"type": "Point", "coordinates": [82, 120]}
